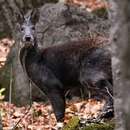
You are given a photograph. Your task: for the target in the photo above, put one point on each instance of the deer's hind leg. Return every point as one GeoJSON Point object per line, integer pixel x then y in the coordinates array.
{"type": "Point", "coordinates": [97, 81]}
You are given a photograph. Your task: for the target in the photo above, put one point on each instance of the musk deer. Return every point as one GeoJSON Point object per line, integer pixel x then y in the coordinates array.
{"type": "Point", "coordinates": [54, 69]}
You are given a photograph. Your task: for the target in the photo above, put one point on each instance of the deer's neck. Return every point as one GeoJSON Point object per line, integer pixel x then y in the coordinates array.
{"type": "Point", "coordinates": [28, 56]}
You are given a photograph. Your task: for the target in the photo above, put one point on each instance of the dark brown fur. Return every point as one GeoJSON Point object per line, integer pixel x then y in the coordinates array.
{"type": "Point", "coordinates": [56, 68]}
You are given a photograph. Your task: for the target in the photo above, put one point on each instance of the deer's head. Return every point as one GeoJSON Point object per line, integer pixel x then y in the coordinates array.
{"type": "Point", "coordinates": [27, 28]}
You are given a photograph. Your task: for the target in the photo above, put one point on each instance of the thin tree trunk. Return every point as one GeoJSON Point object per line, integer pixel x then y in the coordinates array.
{"type": "Point", "coordinates": [120, 17]}
{"type": "Point", "coordinates": [1, 127]}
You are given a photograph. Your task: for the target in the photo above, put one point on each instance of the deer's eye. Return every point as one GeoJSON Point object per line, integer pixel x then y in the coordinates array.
{"type": "Point", "coordinates": [33, 28]}
{"type": "Point", "coordinates": [22, 28]}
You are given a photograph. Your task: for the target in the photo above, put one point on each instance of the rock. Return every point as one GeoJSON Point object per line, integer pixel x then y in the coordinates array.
{"type": "Point", "coordinates": [60, 23]}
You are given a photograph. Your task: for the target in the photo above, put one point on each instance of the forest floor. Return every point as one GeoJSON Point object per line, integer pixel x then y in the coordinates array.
{"type": "Point", "coordinates": [40, 116]}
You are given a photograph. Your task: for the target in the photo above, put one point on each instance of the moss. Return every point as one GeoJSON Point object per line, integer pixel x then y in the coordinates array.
{"type": "Point", "coordinates": [100, 126]}
{"type": "Point", "coordinates": [102, 12]}
{"type": "Point", "coordinates": [2, 35]}
{"type": "Point", "coordinates": [72, 124]}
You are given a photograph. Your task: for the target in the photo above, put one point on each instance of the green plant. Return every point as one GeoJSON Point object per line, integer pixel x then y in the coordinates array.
{"type": "Point", "coordinates": [2, 90]}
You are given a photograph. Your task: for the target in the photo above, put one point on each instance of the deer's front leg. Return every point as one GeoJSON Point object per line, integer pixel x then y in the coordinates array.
{"type": "Point", "coordinates": [57, 100]}
{"type": "Point", "coordinates": [56, 97]}
{"type": "Point", "coordinates": [53, 88]}
{"type": "Point", "coordinates": [55, 93]}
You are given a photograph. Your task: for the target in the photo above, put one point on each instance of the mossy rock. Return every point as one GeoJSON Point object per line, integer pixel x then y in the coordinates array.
{"type": "Point", "coordinates": [72, 124]}
{"type": "Point", "coordinates": [100, 126]}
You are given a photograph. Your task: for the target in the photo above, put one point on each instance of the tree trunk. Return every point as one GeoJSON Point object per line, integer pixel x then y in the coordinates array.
{"type": "Point", "coordinates": [120, 16]}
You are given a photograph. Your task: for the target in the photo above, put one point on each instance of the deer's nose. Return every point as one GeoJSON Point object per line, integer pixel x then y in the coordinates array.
{"type": "Point", "coordinates": [28, 38]}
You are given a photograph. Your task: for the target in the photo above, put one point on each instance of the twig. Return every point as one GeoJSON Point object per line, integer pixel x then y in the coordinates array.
{"type": "Point", "coordinates": [27, 110]}
{"type": "Point", "coordinates": [108, 90]}
{"type": "Point", "coordinates": [109, 93]}
{"type": "Point", "coordinates": [30, 89]}
{"type": "Point", "coordinates": [10, 86]}
{"type": "Point", "coordinates": [10, 92]}
{"type": "Point", "coordinates": [21, 118]}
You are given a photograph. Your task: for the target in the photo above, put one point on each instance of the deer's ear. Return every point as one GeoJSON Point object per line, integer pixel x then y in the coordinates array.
{"type": "Point", "coordinates": [35, 16]}
{"type": "Point", "coordinates": [19, 17]}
